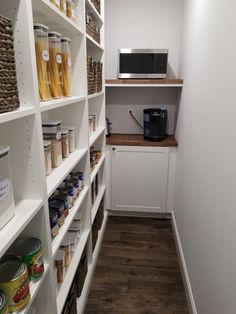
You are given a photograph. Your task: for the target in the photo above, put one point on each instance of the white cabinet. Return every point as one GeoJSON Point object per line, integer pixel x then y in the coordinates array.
{"type": "Point", "coordinates": [139, 178]}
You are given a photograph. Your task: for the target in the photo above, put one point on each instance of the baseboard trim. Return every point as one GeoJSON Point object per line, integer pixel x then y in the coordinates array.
{"type": "Point", "coordinates": [183, 266]}
{"type": "Point", "coordinates": [124, 213]}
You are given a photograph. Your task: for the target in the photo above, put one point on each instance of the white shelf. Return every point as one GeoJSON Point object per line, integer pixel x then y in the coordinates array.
{"type": "Point", "coordinates": [34, 287]}
{"type": "Point", "coordinates": [63, 230]}
{"type": "Point", "coordinates": [97, 168]}
{"type": "Point", "coordinates": [144, 85]}
{"type": "Point", "coordinates": [95, 95]}
{"type": "Point", "coordinates": [98, 201]}
{"type": "Point", "coordinates": [93, 44]}
{"type": "Point", "coordinates": [21, 112]}
{"type": "Point", "coordinates": [81, 302]}
{"type": "Point", "coordinates": [25, 210]}
{"type": "Point", "coordinates": [95, 135]}
{"type": "Point", "coordinates": [70, 272]}
{"type": "Point", "coordinates": [90, 8]}
{"type": "Point", "coordinates": [45, 11]}
{"type": "Point", "coordinates": [57, 103]}
{"type": "Point", "coordinates": [58, 174]}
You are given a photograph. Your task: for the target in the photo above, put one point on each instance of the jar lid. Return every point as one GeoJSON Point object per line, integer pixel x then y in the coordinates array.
{"type": "Point", "coordinates": [64, 132]}
{"type": "Point", "coordinates": [68, 127]}
{"type": "Point", "coordinates": [59, 256]}
{"type": "Point", "coordinates": [11, 269]}
{"type": "Point", "coordinates": [4, 150]}
{"type": "Point", "coordinates": [46, 144]}
{"type": "Point", "coordinates": [26, 246]}
{"type": "Point", "coordinates": [54, 34]}
{"type": "Point", "coordinates": [65, 39]}
{"type": "Point", "coordinates": [41, 26]}
{"type": "Point", "coordinates": [51, 123]}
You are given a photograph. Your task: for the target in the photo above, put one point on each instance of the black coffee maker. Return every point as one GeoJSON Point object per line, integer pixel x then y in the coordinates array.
{"type": "Point", "coordinates": [155, 122]}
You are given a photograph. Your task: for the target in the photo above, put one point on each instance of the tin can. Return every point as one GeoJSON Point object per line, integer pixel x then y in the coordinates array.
{"type": "Point", "coordinates": [30, 252]}
{"type": "Point", "coordinates": [59, 207]}
{"type": "Point", "coordinates": [14, 280]}
{"type": "Point", "coordinates": [4, 308]}
{"type": "Point", "coordinates": [63, 197]}
{"type": "Point", "coordinates": [70, 193]}
{"type": "Point", "coordinates": [53, 222]}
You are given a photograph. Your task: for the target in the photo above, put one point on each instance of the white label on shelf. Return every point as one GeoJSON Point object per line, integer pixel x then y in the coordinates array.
{"type": "Point", "coordinates": [5, 188]}
{"type": "Point", "coordinates": [69, 62]}
{"type": "Point", "coordinates": [58, 58]}
{"type": "Point", "coordinates": [45, 55]}
{"type": "Point", "coordinates": [58, 2]}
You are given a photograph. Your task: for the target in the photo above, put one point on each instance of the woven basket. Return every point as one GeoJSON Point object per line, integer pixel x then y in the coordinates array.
{"type": "Point", "coordinates": [9, 99]}
{"type": "Point", "coordinates": [97, 5]}
{"type": "Point", "coordinates": [91, 76]}
{"type": "Point", "coordinates": [81, 273]}
{"type": "Point", "coordinates": [92, 29]}
{"type": "Point", "coordinates": [70, 305]}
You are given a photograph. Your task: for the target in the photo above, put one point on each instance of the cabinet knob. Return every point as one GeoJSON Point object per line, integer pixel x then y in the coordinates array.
{"type": "Point", "coordinates": [114, 149]}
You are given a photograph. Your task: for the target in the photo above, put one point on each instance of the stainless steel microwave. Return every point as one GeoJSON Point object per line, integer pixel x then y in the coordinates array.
{"type": "Point", "coordinates": [142, 63]}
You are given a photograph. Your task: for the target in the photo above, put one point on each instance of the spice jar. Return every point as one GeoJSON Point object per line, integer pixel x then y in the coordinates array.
{"type": "Point", "coordinates": [42, 60]}
{"type": "Point", "coordinates": [56, 3]}
{"type": "Point", "coordinates": [73, 240]}
{"type": "Point", "coordinates": [59, 207]}
{"type": "Point", "coordinates": [56, 149]}
{"type": "Point", "coordinates": [60, 265]}
{"type": "Point", "coordinates": [65, 246]}
{"type": "Point", "coordinates": [47, 157]}
{"type": "Point", "coordinates": [66, 66]}
{"type": "Point", "coordinates": [65, 143]}
{"type": "Point", "coordinates": [71, 130]}
{"type": "Point", "coordinates": [63, 6]}
{"type": "Point", "coordinates": [53, 215]}
{"type": "Point", "coordinates": [55, 63]}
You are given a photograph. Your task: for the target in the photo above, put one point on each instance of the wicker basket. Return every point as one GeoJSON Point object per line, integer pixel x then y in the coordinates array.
{"type": "Point", "coordinates": [95, 229]}
{"type": "Point", "coordinates": [92, 30]}
{"type": "Point", "coordinates": [81, 273]}
{"type": "Point", "coordinates": [98, 76]}
{"type": "Point", "coordinates": [97, 5]}
{"type": "Point", "coordinates": [91, 76]}
{"type": "Point", "coordinates": [70, 305]}
{"type": "Point", "coordinates": [9, 99]}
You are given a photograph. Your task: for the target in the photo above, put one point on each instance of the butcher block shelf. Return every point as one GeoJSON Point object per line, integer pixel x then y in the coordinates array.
{"type": "Point", "coordinates": [144, 82]}
{"type": "Point", "coordinates": [138, 140]}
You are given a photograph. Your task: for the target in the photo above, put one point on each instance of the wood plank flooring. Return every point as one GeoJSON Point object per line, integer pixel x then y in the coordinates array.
{"type": "Point", "coordinates": [138, 270]}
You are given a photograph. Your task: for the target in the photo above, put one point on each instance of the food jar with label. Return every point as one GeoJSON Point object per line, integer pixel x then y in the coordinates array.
{"type": "Point", "coordinates": [54, 226]}
{"type": "Point", "coordinates": [65, 246]}
{"type": "Point", "coordinates": [59, 207]}
{"type": "Point", "coordinates": [47, 157]}
{"type": "Point", "coordinates": [62, 197]}
{"type": "Point", "coordinates": [69, 190]}
{"type": "Point", "coordinates": [30, 252]}
{"type": "Point", "coordinates": [60, 265]}
{"type": "Point", "coordinates": [71, 130]}
{"type": "Point", "coordinates": [56, 3]}
{"type": "Point", "coordinates": [73, 240]}
{"type": "Point", "coordinates": [65, 143]}
{"type": "Point", "coordinates": [55, 63]}
{"type": "Point", "coordinates": [63, 6]}
{"type": "Point", "coordinates": [56, 148]}
{"type": "Point", "coordinates": [75, 184]}
{"type": "Point", "coordinates": [42, 60]}
{"type": "Point", "coordinates": [66, 66]}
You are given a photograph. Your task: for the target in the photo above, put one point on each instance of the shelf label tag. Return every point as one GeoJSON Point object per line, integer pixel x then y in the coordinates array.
{"type": "Point", "coordinates": [5, 188]}
{"type": "Point", "coordinates": [45, 55]}
{"type": "Point", "coordinates": [58, 58]}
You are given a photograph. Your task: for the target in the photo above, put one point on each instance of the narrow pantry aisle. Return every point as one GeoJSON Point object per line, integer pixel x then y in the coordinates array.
{"type": "Point", "coordinates": [138, 270]}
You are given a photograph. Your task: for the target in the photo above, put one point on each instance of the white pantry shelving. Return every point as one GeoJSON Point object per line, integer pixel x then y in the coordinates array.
{"type": "Point", "coordinates": [22, 131]}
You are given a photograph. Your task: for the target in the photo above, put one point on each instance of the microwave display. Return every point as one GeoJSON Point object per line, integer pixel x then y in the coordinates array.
{"type": "Point", "coordinates": [145, 63]}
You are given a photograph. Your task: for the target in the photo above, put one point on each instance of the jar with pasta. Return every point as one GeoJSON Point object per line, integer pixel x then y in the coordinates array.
{"type": "Point", "coordinates": [55, 62]}
{"type": "Point", "coordinates": [63, 6]}
{"type": "Point", "coordinates": [66, 66]}
{"type": "Point", "coordinates": [56, 3]}
{"type": "Point", "coordinates": [42, 60]}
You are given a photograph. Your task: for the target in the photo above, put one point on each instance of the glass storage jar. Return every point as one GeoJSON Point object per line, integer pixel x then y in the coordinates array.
{"type": "Point", "coordinates": [42, 60]}
{"type": "Point", "coordinates": [66, 66]}
{"type": "Point", "coordinates": [63, 6]}
{"type": "Point", "coordinates": [56, 3]}
{"type": "Point", "coordinates": [56, 149]}
{"type": "Point", "coordinates": [65, 143]}
{"type": "Point", "coordinates": [71, 130]}
{"type": "Point", "coordinates": [70, 9]}
{"type": "Point", "coordinates": [55, 62]}
{"type": "Point", "coordinates": [47, 157]}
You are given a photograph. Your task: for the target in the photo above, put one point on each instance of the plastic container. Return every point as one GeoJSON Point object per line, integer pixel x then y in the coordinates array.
{"type": "Point", "coordinates": [7, 207]}
{"type": "Point", "coordinates": [55, 62]}
{"type": "Point", "coordinates": [70, 9]}
{"type": "Point", "coordinates": [56, 3]}
{"type": "Point", "coordinates": [65, 143]}
{"type": "Point", "coordinates": [63, 6]}
{"type": "Point", "coordinates": [51, 126]}
{"type": "Point", "coordinates": [60, 265]}
{"type": "Point", "coordinates": [71, 130]}
{"type": "Point", "coordinates": [65, 246]}
{"type": "Point", "coordinates": [42, 60]}
{"type": "Point", "coordinates": [66, 66]}
{"type": "Point", "coordinates": [70, 193]}
{"type": "Point", "coordinates": [47, 157]}
{"type": "Point", "coordinates": [73, 240]}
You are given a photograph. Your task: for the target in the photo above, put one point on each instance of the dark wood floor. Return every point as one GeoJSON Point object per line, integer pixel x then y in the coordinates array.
{"type": "Point", "coordinates": [138, 270]}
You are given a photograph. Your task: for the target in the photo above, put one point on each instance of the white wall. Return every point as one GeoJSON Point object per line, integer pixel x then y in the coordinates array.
{"type": "Point", "coordinates": [205, 195]}
{"type": "Point", "coordinates": [141, 24]}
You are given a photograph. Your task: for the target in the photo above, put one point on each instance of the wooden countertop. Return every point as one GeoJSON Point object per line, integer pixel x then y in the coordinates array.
{"type": "Point", "coordinates": [138, 140]}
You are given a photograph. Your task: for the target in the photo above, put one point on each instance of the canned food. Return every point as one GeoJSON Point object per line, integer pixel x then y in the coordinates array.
{"type": "Point", "coordinates": [75, 184]}
{"type": "Point", "coordinates": [14, 280]}
{"type": "Point", "coordinates": [54, 222]}
{"type": "Point", "coordinates": [63, 197]}
{"type": "Point", "coordinates": [70, 193]}
{"type": "Point", "coordinates": [4, 308]}
{"type": "Point", "coordinates": [30, 251]}
{"type": "Point", "coordinates": [59, 207]}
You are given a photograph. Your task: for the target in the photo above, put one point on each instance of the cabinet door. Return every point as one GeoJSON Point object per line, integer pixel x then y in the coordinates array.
{"type": "Point", "coordinates": [139, 178]}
